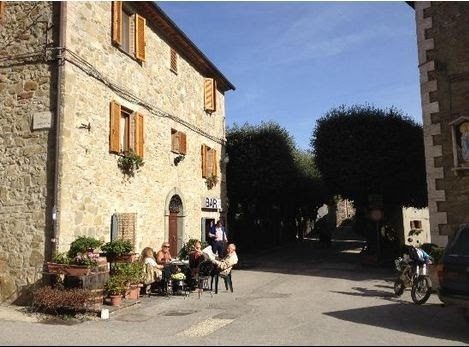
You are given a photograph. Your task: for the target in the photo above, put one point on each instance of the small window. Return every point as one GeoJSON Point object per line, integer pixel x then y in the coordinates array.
{"type": "Point", "coordinates": [173, 61]}
{"type": "Point", "coordinates": [2, 8]}
{"type": "Point", "coordinates": [209, 162]}
{"type": "Point", "coordinates": [126, 130]}
{"type": "Point", "coordinates": [178, 142]}
{"type": "Point", "coordinates": [416, 224]}
{"type": "Point", "coordinates": [128, 30]}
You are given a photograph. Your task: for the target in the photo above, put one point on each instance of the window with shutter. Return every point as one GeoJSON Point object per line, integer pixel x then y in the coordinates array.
{"type": "Point", "coordinates": [210, 94]}
{"type": "Point", "coordinates": [128, 30]}
{"type": "Point", "coordinates": [126, 130]}
{"type": "Point", "coordinates": [178, 142]}
{"type": "Point", "coordinates": [173, 60]}
{"type": "Point", "coordinates": [2, 8]}
{"type": "Point", "coordinates": [209, 162]}
{"type": "Point", "coordinates": [204, 161]}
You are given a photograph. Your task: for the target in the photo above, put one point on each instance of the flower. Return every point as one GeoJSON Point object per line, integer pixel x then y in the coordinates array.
{"type": "Point", "coordinates": [88, 258]}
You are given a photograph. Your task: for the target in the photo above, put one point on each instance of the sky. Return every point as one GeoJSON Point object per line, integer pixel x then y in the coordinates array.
{"type": "Point", "coordinates": [291, 62]}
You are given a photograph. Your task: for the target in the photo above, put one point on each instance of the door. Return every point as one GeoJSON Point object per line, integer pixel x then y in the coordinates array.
{"type": "Point", "coordinates": [173, 233]}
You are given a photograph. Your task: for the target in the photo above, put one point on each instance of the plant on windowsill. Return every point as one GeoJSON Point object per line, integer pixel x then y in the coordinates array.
{"type": "Point", "coordinates": [129, 163]}
{"type": "Point", "coordinates": [211, 181]}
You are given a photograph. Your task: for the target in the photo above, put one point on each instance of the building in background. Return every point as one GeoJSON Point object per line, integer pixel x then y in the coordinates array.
{"type": "Point", "coordinates": [443, 51]}
{"type": "Point", "coordinates": [82, 85]}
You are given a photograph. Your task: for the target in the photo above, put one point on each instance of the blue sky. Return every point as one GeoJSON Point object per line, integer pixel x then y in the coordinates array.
{"type": "Point", "coordinates": [291, 62]}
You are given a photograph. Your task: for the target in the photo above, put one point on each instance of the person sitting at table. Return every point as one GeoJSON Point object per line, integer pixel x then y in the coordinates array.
{"type": "Point", "coordinates": [163, 256]}
{"type": "Point", "coordinates": [196, 256]}
{"type": "Point", "coordinates": [225, 265]}
{"type": "Point", "coordinates": [153, 271]}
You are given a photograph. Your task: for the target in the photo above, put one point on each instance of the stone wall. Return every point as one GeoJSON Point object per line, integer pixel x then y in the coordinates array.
{"type": "Point", "coordinates": [27, 92]}
{"type": "Point", "coordinates": [91, 186]}
{"type": "Point", "coordinates": [444, 76]}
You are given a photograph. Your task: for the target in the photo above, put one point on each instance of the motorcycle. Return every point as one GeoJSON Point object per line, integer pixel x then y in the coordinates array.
{"type": "Point", "coordinates": [413, 274]}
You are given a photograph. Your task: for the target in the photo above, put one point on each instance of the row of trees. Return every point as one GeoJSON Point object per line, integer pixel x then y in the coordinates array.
{"type": "Point", "coordinates": [273, 188]}
{"type": "Point", "coordinates": [357, 152]}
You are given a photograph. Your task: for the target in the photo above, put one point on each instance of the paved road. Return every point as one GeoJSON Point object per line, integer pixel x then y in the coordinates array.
{"type": "Point", "coordinates": [301, 294]}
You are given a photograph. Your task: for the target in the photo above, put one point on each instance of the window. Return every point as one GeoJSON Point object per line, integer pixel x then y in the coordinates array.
{"type": "Point", "coordinates": [128, 30]}
{"type": "Point", "coordinates": [416, 224]}
{"type": "Point", "coordinates": [2, 8]}
{"type": "Point", "coordinates": [126, 130]}
{"type": "Point", "coordinates": [209, 162]}
{"type": "Point", "coordinates": [178, 142]}
{"type": "Point", "coordinates": [210, 89]}
{"type": "Point", "coordinates": [173, 61]}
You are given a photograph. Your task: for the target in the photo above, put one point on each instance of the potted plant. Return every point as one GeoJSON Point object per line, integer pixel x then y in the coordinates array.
{"type": "Point", "coordinates": [115, 287]}
{"type": "Point", "coordinates": [133, 275]}
{"type": "Point", "coordinates": [118, 251]}
{"type": "Point", "coordinates": [188, 247]}
{"type": "Point", "coordinates": [211, 181]}
{"type": "Point", "coordinates": [129, 163]}
{"type": "Point", "coordinates": [83, 244]}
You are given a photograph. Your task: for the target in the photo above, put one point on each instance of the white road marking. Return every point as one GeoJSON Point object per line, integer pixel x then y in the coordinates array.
{"type": "Point", "coordinates": [205, 327]}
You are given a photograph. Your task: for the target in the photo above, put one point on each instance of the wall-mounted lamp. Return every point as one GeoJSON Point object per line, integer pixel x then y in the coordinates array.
{"type": "Point", "coordinates": [178, 159]}
{"type": "Point", "coordinates": [85, 126]}
{"type": "Point", "coordinates": [226, 159]}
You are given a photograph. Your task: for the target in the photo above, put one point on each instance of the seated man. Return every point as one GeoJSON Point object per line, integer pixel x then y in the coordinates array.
{"type": "Point", "coordinates": [225, 265]}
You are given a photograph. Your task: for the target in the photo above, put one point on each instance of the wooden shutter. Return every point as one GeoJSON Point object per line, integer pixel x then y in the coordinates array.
{"type": "Point", "coordinates": [140, 37]}
{"type": "Point", "coordinates": [209, 162]}
{"type": "Point", "coordinates": [2, 8]}
{"type": "Point", "coordinates": [204, 161]}
{"type": "Point", "coordinates": [117, 22]}
{"type": "Point", "coordinates": [173, 57]}
{"type": "Point", "coordinates": [114, 133]}
{"type": "Point", "coordinates": [214, 163]}
{"type": "Point", "coordinates": [182, 143]}
{"type": "Point", "coordinates": [139, 134]}
{"type": "Point", "coordinates": [175, 141]}
{"type": "Point", "coordinates": [209, 94]}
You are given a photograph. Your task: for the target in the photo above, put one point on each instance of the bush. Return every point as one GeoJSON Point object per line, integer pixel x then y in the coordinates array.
{"type": "Point", "coordinates": [117, 247]}
{"type": "Point", "coordinates": [48, 299]}
{"type": "Point", "coordinates": [115, 285]}
{"type": "Point", "coordinates": [82, 245]}
{"type": "Point", "coordinates": [132, 273]}
{"type": "Point", "coordinates": [188, 247]}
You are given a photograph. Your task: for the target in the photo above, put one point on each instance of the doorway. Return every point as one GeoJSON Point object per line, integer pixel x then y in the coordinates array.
{"type": "Point", "coordinates": [175, 210]}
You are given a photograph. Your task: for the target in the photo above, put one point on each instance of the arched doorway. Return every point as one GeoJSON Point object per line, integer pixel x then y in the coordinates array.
{"type": "Point", "coordinates": [175, 212]}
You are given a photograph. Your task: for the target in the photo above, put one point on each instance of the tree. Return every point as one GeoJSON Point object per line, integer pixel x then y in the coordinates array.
{"type": "Point", "coordinates": [265, 184]}
{"type": "Point", "coordinates": [363, 150]}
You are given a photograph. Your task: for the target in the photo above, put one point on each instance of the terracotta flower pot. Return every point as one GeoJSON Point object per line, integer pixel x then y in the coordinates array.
{"type": "Point", "coordinates": [116, 300]}
{"type": "Point", "coordinates": [133, 292]}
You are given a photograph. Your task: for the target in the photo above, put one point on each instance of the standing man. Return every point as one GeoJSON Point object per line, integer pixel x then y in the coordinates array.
{"type": "Point", "coordinates": [219, 239]}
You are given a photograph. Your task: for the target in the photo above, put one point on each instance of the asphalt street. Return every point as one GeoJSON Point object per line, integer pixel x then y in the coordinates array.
{"type": "Point", "coordinates": [300, 294]}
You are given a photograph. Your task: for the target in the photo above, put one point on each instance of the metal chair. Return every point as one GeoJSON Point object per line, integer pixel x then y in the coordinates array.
{"type": "Point", "coordinates": [227, 279]}
{"type": "Point", "coordinates": [204, 272]}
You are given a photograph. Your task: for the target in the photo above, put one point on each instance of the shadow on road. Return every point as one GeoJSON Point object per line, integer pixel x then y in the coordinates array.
{"type": "Point", "coordinates": [434, 321]}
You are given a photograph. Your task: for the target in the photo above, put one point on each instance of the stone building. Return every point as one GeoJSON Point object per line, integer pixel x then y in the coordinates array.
{"type": "Point", "coordinates": [82, 85]}
{"type": "Point", "coordinates": [443, 43]}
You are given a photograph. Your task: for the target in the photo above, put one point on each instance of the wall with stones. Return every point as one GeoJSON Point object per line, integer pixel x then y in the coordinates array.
{"type": "Point", "coordinates": [444, 75]}
{"type": "Point", "coordinates": [92, 187]}
{"type": "Point", "coordinates": [27, 154]}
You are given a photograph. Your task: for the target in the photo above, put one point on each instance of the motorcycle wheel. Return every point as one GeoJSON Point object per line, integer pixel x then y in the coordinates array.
{"type": "Point", "coordinates": [421, 290]}
{"type": "Point", "coordinates": [399, 287]}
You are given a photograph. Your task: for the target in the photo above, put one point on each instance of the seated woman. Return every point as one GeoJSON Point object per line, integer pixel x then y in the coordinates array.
{"type": "Point", "coordinates": [153, 271]}
{"type": "Point", "coordinates": [196, 256]}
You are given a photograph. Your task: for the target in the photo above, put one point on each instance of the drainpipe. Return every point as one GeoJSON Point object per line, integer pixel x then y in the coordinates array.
{"type": "Point", "coordinates": [60, 61]}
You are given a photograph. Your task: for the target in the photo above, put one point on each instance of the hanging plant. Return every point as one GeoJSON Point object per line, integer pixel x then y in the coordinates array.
{"type": "Point", "coordinates": [129, 163]}
{"type": "Point", "coordinates": [211, 181]}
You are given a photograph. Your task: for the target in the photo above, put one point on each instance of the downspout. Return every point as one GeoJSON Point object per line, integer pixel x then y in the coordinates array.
{"type": "Point", "coordinates": [60, 61]}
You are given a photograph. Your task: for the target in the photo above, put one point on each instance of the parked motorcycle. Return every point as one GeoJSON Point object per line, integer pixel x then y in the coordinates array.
{"type": "Point", "coordinates": [413, 274]}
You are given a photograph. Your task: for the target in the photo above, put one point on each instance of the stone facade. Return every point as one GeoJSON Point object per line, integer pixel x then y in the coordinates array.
{"type": "Point", "coordinates": [444, 78]}
{"type": "Point", "coordinates": [90, 186]}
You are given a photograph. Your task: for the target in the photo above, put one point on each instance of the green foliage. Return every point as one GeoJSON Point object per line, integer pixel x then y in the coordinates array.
{"type": "Point", "coordinates": [83, 244]}
{"type": "Point", "coordinates": [130, 163]}
{"type": "Point", "coordinates": [117, 247]}
{"type": "Point", "coordinates": [61, 258]}
{"type": "Point", "coordinates": [363, 150]}
{"type": "Point", "coordinates": [188, 247]}
{"type": "Point", "coordinates": [132, 273]}
{"type": "Point", "coordinates": [116, 285]}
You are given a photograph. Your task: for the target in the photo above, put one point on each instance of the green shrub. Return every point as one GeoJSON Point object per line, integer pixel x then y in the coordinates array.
{"type": "Point", "coordinates": [115, 285]}
{"type": "Point", "coordinates": [188, 247]}
{"type": "Point", "coordinates": [117, 247]}
{"type": "Point", "coordinates": [82, 244]}
{"type": "Point", "coordinates": [132, 273]}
